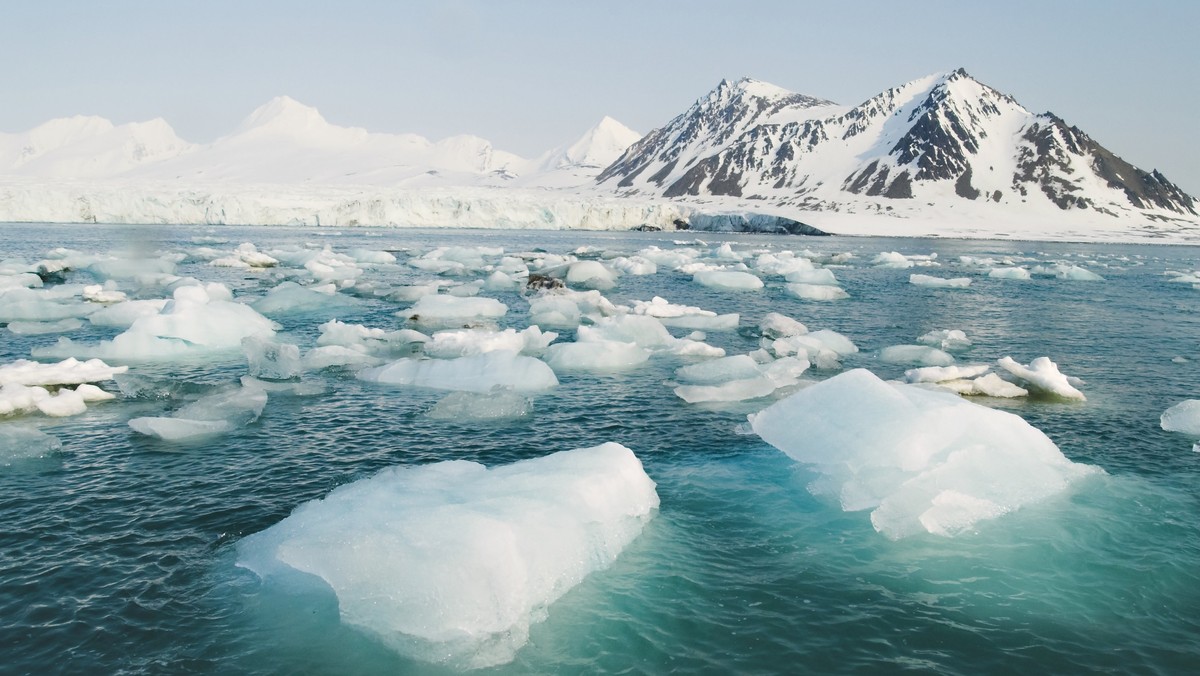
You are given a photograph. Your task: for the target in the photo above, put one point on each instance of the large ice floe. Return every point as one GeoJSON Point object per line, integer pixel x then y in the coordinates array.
{"type": "Point", "coordinates": [920, 460]}
{"type": "Point", "coordinates": [452, 562]}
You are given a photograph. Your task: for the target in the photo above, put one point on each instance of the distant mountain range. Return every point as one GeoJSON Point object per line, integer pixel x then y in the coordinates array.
{"type": "Point", "coordinates": [287, 142]}
{"type": "Point", "coordinates": [934, 141]}
{"type": "Point", "coordinates": [942, 149]}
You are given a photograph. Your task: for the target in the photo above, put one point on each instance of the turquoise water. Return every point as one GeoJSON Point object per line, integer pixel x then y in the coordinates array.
{"type": "Point", "coordinates": [117, 554]}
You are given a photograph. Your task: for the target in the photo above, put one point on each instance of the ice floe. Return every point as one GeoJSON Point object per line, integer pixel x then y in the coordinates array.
{"type": "Point", "coordinates": [477, 373]}
{"type": "Point", "coordinates": [920, 460]}
{"type": "Point", "coordinates": [18, 443]}
{"type": "Point", "coordinates": [452, 562]}
{"type": "Point", "coordinates": [939, 282]}
{"type": "Point", "coordinates": [1043, 376]}
{"type": "Point", "coordinates": [198, 320]}
{"type": "Point", "coordinates": [213, 414]}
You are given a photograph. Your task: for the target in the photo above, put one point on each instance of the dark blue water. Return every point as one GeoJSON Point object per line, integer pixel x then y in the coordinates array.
{"type": "Point", "coordinates": [117, 554]}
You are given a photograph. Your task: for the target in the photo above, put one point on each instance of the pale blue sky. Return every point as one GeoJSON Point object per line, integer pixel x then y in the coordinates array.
{"type": "Point", "coordinates": [531, 75]}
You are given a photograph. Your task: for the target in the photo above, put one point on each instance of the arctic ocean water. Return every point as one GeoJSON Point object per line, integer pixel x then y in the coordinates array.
{"type": "Point", "coordinates": [117, 555]}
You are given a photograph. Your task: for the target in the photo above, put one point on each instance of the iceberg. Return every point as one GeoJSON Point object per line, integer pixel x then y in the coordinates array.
{"type": "Point", "coordinates": [939, 282]}
{"type": "Point", "coordinates": [452, 562]}
{"type": "Point", "coordinates": [915, 354]}
{"type": "Point", "coordinates": [472, 406]}
{"type": "Point", "coordinates": [816, 291]}
{"type": "Point", "coordinates": [922, 461]}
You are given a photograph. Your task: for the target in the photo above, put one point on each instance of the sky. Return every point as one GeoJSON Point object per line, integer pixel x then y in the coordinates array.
{"type": "Point", "coordinates": [535, 74]}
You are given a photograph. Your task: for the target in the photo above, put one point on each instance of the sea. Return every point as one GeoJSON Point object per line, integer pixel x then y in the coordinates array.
{"type": "Point", "coordinates": [118, 553]}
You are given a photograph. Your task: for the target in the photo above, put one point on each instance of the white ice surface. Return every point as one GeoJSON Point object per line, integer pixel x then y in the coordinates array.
{"type": "Point", "coordinates": [921, 461]}
{"type": "Point", "coordinates": [452, 562]}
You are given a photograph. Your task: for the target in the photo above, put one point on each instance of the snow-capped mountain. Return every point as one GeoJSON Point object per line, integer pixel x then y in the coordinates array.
{"type": "Point", "coordinates": [88, 147]}
{"type": "Point", "coordinates": [599, 147]}
{"type": "Point", "coordinates": [939, 140]}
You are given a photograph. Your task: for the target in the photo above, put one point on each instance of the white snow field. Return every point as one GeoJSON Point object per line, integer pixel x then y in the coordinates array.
{"type": "Point", "coordinates": [452, 562]}
{"type": "Point", "coordinates": [919, 460]}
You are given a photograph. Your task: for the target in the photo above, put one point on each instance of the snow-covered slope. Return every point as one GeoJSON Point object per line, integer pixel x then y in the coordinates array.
{"type": "Point", "coordinates": [286, 142]}
{"type": "Point", "coordinates": [83, 146]}
{"type": "Point", "coordinates": [937, 141]}
{"type": "Point", "coordinates": [599, 147]}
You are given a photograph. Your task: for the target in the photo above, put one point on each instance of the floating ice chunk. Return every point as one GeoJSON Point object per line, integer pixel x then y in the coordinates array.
{"type": "Point", "coordinates": [37, 305]}
{"type": "Point", "coordinates": [96, 293]}
{"type": "Point", "coordinates": [91, 393]}
{"type": "Point", "coordinates": [179, 429]}
{"type": "Point", "coordinates": [823, 348]}
{"type": "Point", "coordinates": [892, 259]}
{"type": "Point", "coordinates": [775, 325]}
{"type": "Point", "coordinates": [501, 281]}
{"type": "Point", "coordinates": [1183, 417]}
{"type": "Point", "coordinates": [669, 259]}
{"type": "Point", "coordinates": [42, 328]}
{"type": "Point", "coordinates": [441, 309]}
{"type": "Point", "coordinates": [767, 379]}
{"type": "Point", "coordinates": [463, 343]}
{"type": "Point", "coordinates": [413, 292]}
{"type": "Point", "coordinates": [596, 355]}
{"type": "Point", "coordinates": [922, 461]}
{"type": "Point", "coordinates": [123, 315]}
{"type": "Point", "coordinates": [950, 340]}
{"type": "Point", "coordinates": [19, 443]}
{"type": "Point", "coordinates": [915, 354]}
{"type": "Point", "coordinates": [64, 403]}
{"type": "Point", "coordinates": [452, 562]}
{"type": "Point", "coordinates": [16, 399]}
{"type": "Point", "coordinates": [198, 319]}
{"type": "Point", "coordinates": [464, 290]}
{"type": "Point", "coordinates": [567, 308]}
{"type": "Point", "coordinates": [498, 405]}
{"type": "Point", "coordinates": [1042, 375]}
{"type": "Point", "coordinates": [941, 374]}
{"type": "Point", "coordinates": [372, 257]}
{"type": "Point", "coordinates": [213, 414]}
{"type": "Point", "coordinates": [479, 373]}
{"type": "Point", "coordinates": [269, 358]}
{"type": "Point", "coordinates": [737, 367]}
{"type": "Point", "coordinates": [70, 371]}
{"type": "Point", "coordinates": [24, 280]}
{"type": "Point", "coordinates": [131, 268]}
{"type": "Point", "coordinates": [1067, 271]}
{"type": "Point", "coordinates": [939, 282]}
{"type": "Point", "coordinates": [1009, 273]}
{"type": "Point", "coordinates": [290, 297]}
{"type": "Point", "coordinates": [367, 340]}
{"type": "Point", "coordinates": [728, 279]}
{"type": "Point", "coordinates": [591, 274]}
{"type": "Point", "coordinates": [239, 405]}
{"type": "Point", "coordinates": [684, 316]}
{"type": "Point", "coordinates": [816, 277]}
{"type": "Point", "coordinates": [834, 341]}
{"type": "Point", "coordinates": [634, 265]}
{"type": "Point", "coordinates": [327, 356]}
{"type": "Point", "coordinates": [816, 292]}
{"type": "Point", "coordinates": [992, 385]}
{"type": "Point", "coordinates": [309, 388]}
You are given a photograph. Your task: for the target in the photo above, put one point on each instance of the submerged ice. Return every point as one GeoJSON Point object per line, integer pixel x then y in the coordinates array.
{"type": "Point", "coordinates": [452, 562]}
{"type": "Point", "coordinates": [920, 460]}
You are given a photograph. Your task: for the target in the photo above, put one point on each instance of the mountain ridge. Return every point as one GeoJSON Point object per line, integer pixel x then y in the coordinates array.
{"type": "Point", "coordinates": [944, 137]}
